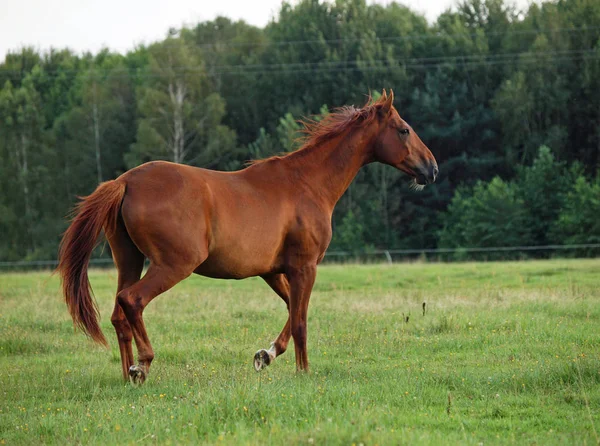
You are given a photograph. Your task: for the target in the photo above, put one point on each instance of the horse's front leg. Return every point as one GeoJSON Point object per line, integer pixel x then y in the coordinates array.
{"type": "Point", "coordinates": [301, 279]}
{"type": "Point", "coordinates": [280, 284]}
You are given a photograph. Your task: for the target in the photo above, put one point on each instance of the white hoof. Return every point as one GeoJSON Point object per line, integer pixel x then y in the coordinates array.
{"type": "Point", "coordinates": [137, 375]}
{"type": "Point", "coordinates": [261, 360]}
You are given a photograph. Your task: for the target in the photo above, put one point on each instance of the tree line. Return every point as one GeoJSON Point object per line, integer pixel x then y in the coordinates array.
{"type": "Point", "coordinates": [507, 100]}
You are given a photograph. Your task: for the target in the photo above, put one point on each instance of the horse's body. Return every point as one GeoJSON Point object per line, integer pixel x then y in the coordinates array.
{"type": "Point", "coordinates": [272, 219]}
{"type": "Point", "coordinates": [228, 207]}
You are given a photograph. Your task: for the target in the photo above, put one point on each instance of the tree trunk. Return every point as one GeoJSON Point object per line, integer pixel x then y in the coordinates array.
{"type": "Point", "coordinates": [177, 95]}
{"type": "Point", "coordinates": [96, 126]}
{"type": "Point", "coordinates": [24, 177]}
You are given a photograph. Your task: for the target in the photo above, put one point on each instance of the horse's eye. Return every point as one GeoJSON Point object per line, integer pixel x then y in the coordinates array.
{"type": "Point", "coordinates": [404, 131]}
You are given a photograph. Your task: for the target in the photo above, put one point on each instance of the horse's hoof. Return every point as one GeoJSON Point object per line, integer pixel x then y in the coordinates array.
{"type": "Point", "coordinates": [261, 360]}
{"type": "Point", "coordinates": [137, 375]}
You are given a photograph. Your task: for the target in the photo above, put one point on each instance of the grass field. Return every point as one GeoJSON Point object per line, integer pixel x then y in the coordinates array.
{"type": "Point", "coordinates": [506, 353]}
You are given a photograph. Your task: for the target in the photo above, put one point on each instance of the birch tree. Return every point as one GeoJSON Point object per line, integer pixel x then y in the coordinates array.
{"type": "Point", "coordinates": [180, 119]}
{"type": "Point", "coordinates": [95, 132]}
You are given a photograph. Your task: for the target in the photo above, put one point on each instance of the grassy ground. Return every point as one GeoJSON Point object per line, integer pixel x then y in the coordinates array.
{"type": "Point", "coordinates": [506, 353]}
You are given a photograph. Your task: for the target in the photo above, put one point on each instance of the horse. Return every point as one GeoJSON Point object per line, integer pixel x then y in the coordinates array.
{"type": "Point", "coordinates": [271, 219]}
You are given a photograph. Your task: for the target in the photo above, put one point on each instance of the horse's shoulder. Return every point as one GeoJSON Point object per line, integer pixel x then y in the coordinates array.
{"type": "Point", "coordinates": [312, 222]}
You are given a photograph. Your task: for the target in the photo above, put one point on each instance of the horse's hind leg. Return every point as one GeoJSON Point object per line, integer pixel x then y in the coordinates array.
{"type": "Point", "coordinates": [130, 262]}
{"type": "Point", "coordinates": [134, 299]}
{"type": "Point", "coordinates": [279, 283]}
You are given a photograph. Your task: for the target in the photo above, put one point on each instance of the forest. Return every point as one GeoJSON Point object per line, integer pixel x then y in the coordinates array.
{"type": "Point", "coordinates": [508, 101]}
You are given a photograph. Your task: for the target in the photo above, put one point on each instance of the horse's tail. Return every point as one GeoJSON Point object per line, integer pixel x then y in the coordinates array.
{"type": "Point", "coordinates": [98, 210]}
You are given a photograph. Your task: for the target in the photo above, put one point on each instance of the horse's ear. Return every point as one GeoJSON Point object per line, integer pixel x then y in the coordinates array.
{"type": "Point", "coordinates": [383, 95]}
{"type": "Point", "coordinates": [387, 105]}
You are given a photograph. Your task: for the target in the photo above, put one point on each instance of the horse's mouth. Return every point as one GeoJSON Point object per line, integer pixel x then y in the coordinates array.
{"type": "Point", "coordinates": [418, 182]}
{"type": "Point", "coordinates": [420, 179]}
{"type": "Point", "coordinates": [416, 177]}
{"type": "Point", "coordinates": [416, 185]}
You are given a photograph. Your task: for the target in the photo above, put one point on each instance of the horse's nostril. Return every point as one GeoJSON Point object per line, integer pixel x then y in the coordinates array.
{"type": "Point", "coordinates": [434, 173]}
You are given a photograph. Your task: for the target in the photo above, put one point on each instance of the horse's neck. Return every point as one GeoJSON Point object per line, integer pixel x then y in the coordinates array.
{"type": "Point", "coordinates": [330, 167]}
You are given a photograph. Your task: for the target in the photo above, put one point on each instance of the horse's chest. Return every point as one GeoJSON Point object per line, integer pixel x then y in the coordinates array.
{"type": "Point", "coordinates": [310, 237]}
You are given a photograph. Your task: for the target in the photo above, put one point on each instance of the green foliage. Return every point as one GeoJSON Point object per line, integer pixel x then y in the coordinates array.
{"type": "Point", "coordinates": [263, 147]}
{"type": "Point", "coordinates": [180, 118]}
{"type": "Point", "coordinates": [27, 165]}
{"type": "Point", "coordinates": [288, 133]}
{"type": "Point", "coordinates": [543, 187]}
{"type": "Point", "coordinates": [484, 87]}
{"type": "Point", "coordinates": [578, 220]}
{"type": "Point", "coordinates": [285, 139]}
{"type": "Point", "coordinates": [350, 234]}
{"type": "Point", "coordinates": [491, 215]}
{"type": "Point", "coordinates": [546, 203]}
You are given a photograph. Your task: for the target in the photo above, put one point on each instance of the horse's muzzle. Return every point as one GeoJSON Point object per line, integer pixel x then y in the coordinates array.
{"type": "Point", "coordinates": [427, 174]}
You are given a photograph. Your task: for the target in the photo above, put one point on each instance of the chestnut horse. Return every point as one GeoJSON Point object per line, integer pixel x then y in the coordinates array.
{"type": "Point", "coordinates": [271, 219]}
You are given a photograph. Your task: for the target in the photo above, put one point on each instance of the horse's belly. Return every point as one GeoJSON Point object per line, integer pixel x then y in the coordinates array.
{"type": "Point", "coordinates": [238, 262]}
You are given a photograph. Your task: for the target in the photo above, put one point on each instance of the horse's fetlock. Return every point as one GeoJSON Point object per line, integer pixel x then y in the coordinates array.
{"type": "Point", "coordinates": [146, 358]}
{"type": "Point", "coordinates": [279, 347]}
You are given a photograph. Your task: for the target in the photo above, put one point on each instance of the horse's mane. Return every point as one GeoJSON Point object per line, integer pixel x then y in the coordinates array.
{"type": "Point", "coordinates": [335, 123]}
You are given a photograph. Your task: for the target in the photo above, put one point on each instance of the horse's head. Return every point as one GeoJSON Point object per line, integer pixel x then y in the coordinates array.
{"type": "Point", "coordinates": [398, 145]}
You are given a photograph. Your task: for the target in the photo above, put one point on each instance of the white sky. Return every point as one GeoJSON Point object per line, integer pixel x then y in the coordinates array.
{"type": "Point", "coordinates": [84, 25]}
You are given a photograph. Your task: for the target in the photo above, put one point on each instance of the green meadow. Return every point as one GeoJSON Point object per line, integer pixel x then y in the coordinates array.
{"type": "Point", "coordinates": [503, 353]}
